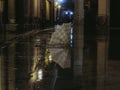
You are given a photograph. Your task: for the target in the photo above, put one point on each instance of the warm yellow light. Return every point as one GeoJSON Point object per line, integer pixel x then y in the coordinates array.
{"type": "Point", "coordinates": [59, 6]}
{"type": "Point", "coordinates": [34, 77]}
{"type": "Point", "coordinates": [1, 6]}
{"type": "Point", "coordinates": [50, 58]}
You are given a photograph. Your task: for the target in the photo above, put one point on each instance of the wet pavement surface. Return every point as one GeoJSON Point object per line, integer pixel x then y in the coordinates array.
{"type": "Point", "coordinates": [23, 57]}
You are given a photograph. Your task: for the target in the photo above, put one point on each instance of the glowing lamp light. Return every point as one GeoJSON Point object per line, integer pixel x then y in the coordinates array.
{"type": "Point", "coordinates": [66, 12]}
{"type": "Point", "coordinates": [50, 58]}
{"type": "Point", "coordinates": [60, 1]}
{"type": "Point", "coordinates": [56, 3]}
{"type": "Point", "coordinates": [59, 6]}
{"type": "Point", "coordinates": [71, 13]}
{"type": "Point", "coordinates": [40, 75]}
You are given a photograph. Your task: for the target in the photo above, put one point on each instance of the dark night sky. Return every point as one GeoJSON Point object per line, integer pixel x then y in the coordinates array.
{"type": "Point", "coordinates": [68, 4]}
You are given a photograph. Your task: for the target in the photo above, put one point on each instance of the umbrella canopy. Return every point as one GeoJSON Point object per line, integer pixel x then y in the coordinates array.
{"type": "Point", "coordinates": [60, 41]}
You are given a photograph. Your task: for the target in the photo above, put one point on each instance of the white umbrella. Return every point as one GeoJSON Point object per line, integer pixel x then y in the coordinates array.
{"type": "Point", "coordinates": [60, 41]}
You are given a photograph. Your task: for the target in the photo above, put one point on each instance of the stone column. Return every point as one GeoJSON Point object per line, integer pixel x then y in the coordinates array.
{"type": "Point", "coordinates": [11, 11]}
{"type": "Point", "coordinates": [102, 43]}
{"type": "Point", "coordinates": [78, 38]}
{"type": "Point", "coordinates": [11, 67]}
{"type": "Point", "coordinates": [1, 10]}
{"type": "Point", "coordinates": [101, 63]}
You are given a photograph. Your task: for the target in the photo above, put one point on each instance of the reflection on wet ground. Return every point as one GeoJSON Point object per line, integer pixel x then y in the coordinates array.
{"type": "Point", "coordinates": [22, 59]}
